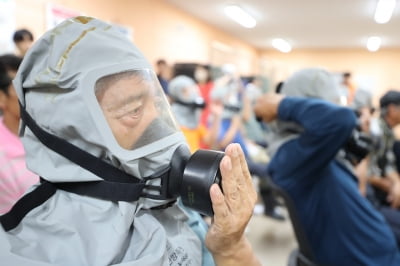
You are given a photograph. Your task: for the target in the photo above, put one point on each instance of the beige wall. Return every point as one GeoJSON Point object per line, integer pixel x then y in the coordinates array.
{"type": "Point", "coordinates": [163, 31]}
{"type": "Point", "coordinates": [377, 71]}
{"type": "Point", "coordinates": [159, 30]}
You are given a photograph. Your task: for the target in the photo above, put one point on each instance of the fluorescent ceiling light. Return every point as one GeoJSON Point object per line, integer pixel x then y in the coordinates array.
{"type": "Point", "coordinates": [373, 43]}
{"type": "Point", "coordinates": [384, 10]}
{"type": "Point", "coordinates": [281, 45]}
{"type": "Point", "coordinates": [240, 16]}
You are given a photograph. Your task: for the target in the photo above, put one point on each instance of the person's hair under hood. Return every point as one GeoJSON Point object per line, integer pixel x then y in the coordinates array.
{"type": "Point", "coordinates": [362, 99]}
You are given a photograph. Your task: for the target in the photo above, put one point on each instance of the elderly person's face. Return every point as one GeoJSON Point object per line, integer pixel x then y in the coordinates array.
{"type": "Point", "coordinates": [128, 106]}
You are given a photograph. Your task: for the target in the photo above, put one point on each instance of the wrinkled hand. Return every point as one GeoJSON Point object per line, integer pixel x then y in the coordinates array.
{"type": "Point", "coordinates": [266, 106]}
{"type": "Point", "coordinates": [232, 209]}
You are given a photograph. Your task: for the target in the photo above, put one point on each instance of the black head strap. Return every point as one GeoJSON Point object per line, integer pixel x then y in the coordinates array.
{"type": "Point", "coordinates": [77, 155]}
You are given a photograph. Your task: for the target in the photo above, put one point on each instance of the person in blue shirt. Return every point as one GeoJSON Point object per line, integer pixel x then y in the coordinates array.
{"type": "Point", "coordinates": [341, 226]}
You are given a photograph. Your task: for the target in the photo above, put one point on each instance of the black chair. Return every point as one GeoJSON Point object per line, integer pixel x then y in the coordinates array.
{"type": "Point", "coordinates": [303, 255]}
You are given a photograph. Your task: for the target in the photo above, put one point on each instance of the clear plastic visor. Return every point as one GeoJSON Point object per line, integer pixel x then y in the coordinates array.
{"type": "Point", "coordinates": [135, 108]}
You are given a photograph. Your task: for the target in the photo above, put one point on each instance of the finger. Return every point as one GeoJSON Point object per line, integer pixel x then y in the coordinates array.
{"type": "Point", "coordinates": [241, 161]}
{"type": "Point", "coordinates": [235, 152]}
{"type": "Point", "coordinates": [229, 184]}
{"type": "Point", "coordinates": [245, 180]}
{"type": "Point", "coordinates": [219, 206]}
{"type": "Point", "coordinates": [244, 197]}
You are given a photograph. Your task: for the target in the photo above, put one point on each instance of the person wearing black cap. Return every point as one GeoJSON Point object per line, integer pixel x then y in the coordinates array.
{"type": "Point", "coordinates": [382, 172]}
{"type": "Point", "coordinates": [392, 97]}
{"type": "Point", "coordinates": [367, 169]}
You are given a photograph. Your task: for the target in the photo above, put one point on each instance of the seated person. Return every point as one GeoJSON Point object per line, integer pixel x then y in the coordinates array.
{"type": "Point", "coordinates": [203, 77]}
{"type": "Point", "coordinates": [378, 175]}
{"type": "Point", "coordinates": [98, 130]}
{"type": "Point", "coordinates": [383, 174]}
{"type": "Point", "coordinates": [362, 106]}
{"type": "Point", "coordinates": [163, 73]}
{"type": "Point", "coordinates": [229, 91]}
{"type": "Point", "coordinates": [187, 106]}
{"type": "Point", "coordinates": [342, 227]}
{"type": "Point", "coordinates": [15, 178]}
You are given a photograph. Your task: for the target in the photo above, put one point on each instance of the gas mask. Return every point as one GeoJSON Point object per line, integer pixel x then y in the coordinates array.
{"type": "Point", "coordinates": [230, 98]}
{"type": "Point", "coordinates": [135, 118]}
{"type": "Point", "coordinates": [360, 143]}
{"type": "Point", "coordinates": [197, 103]}
{"type": "Point", "coordinates": [187, 104]}
{"type": "Point", "coordinates": [133, 104]}
{"type": "Point", "coordinates": [358, 146]}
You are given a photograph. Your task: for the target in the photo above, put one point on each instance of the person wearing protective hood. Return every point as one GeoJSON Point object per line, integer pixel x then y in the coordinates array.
{"type": "Point", "coordinates": [98, 130]}
{"type": "Point", "coordinates": [342, 227]}
{"type": "Point", "coordinates": [230, 92]}
{"type": "Point", "coordinates": [187, 106]}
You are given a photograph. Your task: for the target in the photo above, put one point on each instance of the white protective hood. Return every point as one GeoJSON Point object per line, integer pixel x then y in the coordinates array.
{"type": "Point", "coordinates": [56, 85]}
{"type": "Point", "coordinates": [309, 83]}
{"type": "Point", "coordinates": [184, 89]}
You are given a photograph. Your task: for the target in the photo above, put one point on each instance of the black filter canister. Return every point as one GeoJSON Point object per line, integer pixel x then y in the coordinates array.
{"type": "Point", "coordinates": [201, 171]}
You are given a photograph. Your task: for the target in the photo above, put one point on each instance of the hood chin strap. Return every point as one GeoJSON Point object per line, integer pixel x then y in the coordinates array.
{"type": "Point", "coordinates": [197, 104]}
{"type": "Point", "coordinates": [115, 184]}
{"type": "Point", "coordinates": [75, 154]}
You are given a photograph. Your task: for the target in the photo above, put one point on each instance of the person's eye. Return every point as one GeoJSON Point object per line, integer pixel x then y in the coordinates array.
{"type": "Point", "coordinates": [135, 111]}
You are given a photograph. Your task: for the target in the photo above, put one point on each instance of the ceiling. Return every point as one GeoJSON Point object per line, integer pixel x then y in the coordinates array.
{"type": "Point", "coordinates": [304, 23]}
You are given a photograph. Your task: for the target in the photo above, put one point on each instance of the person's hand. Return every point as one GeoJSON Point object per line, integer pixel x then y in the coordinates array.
{"type": "Point", "coordinates": [365, 120]}
{"type": "Point", "coordinates": [232, 211]}
{"type": "Point", "coordinates": [394, 195]}
{"type": "Point", "coordinates": [382, 183]}
{"type": "Point", "coordinates": [266, 106]}
{"type": "Point", "coordinates": [216, 108]}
